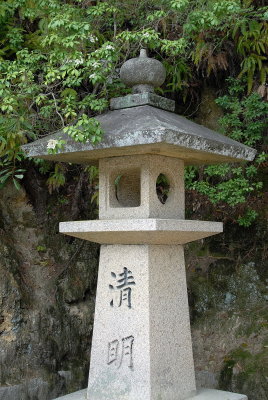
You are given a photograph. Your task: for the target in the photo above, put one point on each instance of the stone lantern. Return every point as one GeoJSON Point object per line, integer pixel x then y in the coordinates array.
{"type": "Point", "coordinates": [141, 348]}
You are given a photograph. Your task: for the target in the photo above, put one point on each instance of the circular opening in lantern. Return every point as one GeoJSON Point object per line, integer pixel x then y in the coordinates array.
{"type": "Point", "coordinates": [162, 188]}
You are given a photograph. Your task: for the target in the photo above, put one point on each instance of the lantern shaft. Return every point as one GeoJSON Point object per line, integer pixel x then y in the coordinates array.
{"type": "Point", "coordinates": [141, 346]}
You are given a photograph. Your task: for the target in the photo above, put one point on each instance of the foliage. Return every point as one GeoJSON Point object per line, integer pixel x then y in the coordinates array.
{"type": "Point", "coordinates": [93, 178]}
{"type": "Point", "coordinates": [162, 188]}
{"type": "Point", "coordinates": [246, 116]}
{"type": "Point", "coordinates": [245, 120]}
{"type": "Point", "coordinates": [59, 63]}
{"type": "Point", "coordinates": [251, 35]}
{"type": "Point", "coordinates": [9, 171]}
{"type": "Point", "coordinates": [242, 367]}
{"type": "Point", "coordinates": [56, 178]}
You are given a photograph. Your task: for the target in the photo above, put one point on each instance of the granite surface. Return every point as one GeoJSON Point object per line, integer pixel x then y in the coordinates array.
{"type": "Point", "coordinates": [142, 73]}
{"type": "Point", "coordinates": [213, 394]}
{"type": "Point", "coordinates": [141, 99]}
{"type": "Point", "coordinates": [128, 187]}
{"type": "Point", "coordinates": [79, 395]}
{"type": "Point", "coordinates": [141, 231]}
{"type": "Point", "coordinates": [141, 347]}
{"type": "Point", "coordinates": [202, 394]}
{"type": "Point", "coordinates": [146, 130]}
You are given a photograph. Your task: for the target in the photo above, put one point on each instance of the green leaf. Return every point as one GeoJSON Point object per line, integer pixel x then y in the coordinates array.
{"type": "Point", "coordinates": [16, 184]}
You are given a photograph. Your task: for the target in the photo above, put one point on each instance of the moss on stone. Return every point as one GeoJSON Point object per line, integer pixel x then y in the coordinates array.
{"type": "Point", "coordinates": [245, 372]}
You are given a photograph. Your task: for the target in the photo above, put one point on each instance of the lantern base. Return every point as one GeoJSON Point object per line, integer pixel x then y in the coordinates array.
{"type": "Point", "coordinates": [80, 395]}
{"type": "Point", "coordinates": [202, 394]}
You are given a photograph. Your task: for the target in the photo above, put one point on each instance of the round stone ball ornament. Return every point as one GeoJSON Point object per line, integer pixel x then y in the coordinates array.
{"type": "Point", "coordinates": [142, 73]}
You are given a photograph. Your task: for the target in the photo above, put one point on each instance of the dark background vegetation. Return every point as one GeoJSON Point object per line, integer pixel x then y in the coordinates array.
{"type": "Point", "coordinates": [59, 67]}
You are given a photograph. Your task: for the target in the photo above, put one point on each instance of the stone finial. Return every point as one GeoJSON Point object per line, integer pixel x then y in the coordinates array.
{"type": "Point", "coordinates": [142, 73]}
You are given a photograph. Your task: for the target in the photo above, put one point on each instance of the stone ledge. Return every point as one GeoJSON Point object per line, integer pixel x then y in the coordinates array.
{"type": "Point", "coordinates": [202, 394]}
{"type": "Point", "coordinates": [213, 394]}
{"type": "Point", "coordinates": [141, 231]}
{"type": "Point", "coordinates": [80, 395]}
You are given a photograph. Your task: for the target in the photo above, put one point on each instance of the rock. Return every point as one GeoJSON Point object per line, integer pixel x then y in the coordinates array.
{"type": "Point", "coordinates": [45, 296]}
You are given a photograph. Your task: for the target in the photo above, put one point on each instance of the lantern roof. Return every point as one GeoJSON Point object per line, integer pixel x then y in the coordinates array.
{"type": "Point", "coordinates": [144, 123]}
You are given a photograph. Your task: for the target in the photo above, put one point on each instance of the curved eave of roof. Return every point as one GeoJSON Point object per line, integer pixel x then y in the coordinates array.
{"type": "Point", "coordinates": [147, 130]}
